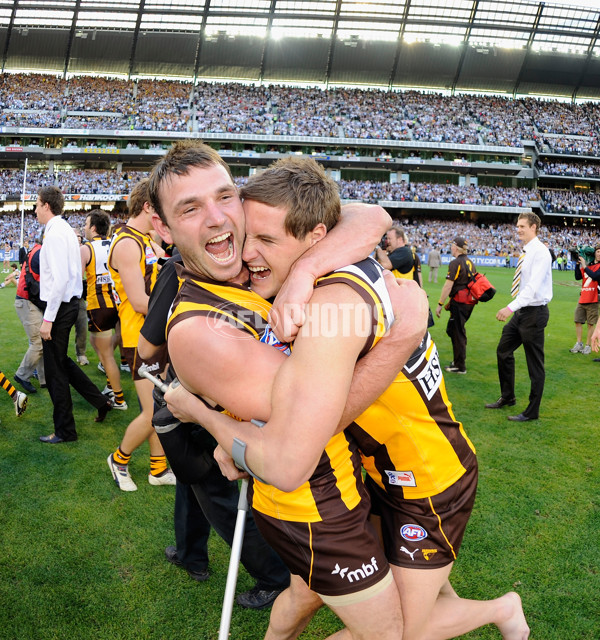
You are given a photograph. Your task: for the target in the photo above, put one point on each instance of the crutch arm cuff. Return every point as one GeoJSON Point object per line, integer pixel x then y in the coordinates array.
{"type": "Point", "coordinates": [238, 453]}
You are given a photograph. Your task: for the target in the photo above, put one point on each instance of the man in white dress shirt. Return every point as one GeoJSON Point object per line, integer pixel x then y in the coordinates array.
{"type": "Point", "coordinates": [532, 291]}
{"type": "Point", "coordinates": [61, 288]}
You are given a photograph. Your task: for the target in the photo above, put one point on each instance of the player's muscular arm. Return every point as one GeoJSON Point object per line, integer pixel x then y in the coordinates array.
{"type": "Point", "coordinates": [125, 258]}
{"type": "Point", "coordinates": [308, 396]}
{"type": "Point", "coordinates": [85, 258]}
{"type": "Point", "coordinates": [360, 228]}
{"type": "Point", "coordinates": [224, 364]}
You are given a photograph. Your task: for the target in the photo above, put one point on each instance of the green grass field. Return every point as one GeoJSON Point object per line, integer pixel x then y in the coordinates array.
{"type": "Point", "coordinates": [81, 559]}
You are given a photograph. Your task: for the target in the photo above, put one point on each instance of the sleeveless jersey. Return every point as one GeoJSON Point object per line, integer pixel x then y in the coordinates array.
{"type": "Point", "coordinates": [336, 485]}
{"type": "Point", "coordinates": [131, 321]}
{"type": "Point", "coordinates": [99, 283]}
{"type": "Point", "coordinates": [411, 444]}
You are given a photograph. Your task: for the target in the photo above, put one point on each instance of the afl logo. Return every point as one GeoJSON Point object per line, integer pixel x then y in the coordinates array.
{"type": "Point", "coordinates": [413, 532]}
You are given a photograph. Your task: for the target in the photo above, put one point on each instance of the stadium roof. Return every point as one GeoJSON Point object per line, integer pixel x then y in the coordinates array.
{"type": "Point", "coordinates": [517, 47]}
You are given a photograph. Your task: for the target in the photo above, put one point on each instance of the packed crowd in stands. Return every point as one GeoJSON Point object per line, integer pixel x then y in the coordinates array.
{"type": "Point", "coordinates": [424, 233]}
{"type": "Point", "coordinates": [561, 118]}
{"type": "Point", "coordinates": [367, 191]}
{"type": "Point", "coordinates": [333, 112]}
{"type": "Point", "coordinates": [162, 104]}
{"type": "Point", "coordinates": [569, 169]}
{"type": "Point", "coordinates": [95, 93]}
{"type": "Point", "coordinates": [571, 146]}
{"type": "Point", "coordinates": [570, 202]}
{"type": "Point", "coordinates": [76, 181]}
{"type": "Point", "coordinates": [94, 181]}
{"type": "Point", "coordinates": [492, 239]}
{"type": "Point", "coordinates": [114, 123]}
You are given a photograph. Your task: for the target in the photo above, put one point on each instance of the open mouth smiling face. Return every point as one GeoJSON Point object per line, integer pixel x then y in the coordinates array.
{"type": "Point", "coordinates": [221, 248]}
{"type": "Point", "coordinates": [259, 273]}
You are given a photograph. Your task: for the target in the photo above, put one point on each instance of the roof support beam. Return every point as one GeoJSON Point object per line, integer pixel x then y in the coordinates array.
{"type": "Point", "coordinates": [332, 41]}
{"type": "Point", "coordinates": [588, 58]}
{"type": "Point", "coordinates": [71, 37]}
{"type": "Point", "coordinates": [134, 41]}
{"type": "Point", "coordinates": [263, 55]}
{"type": "Point", "coordinates": [464, 45]}
{"type": "Point", "coordinates": [201, 39]}
{"type": "Point", "coordinates": [399, 45]}
{"type": "Point", "coordinates": [532, 33]}
{"type": "Point", "coordinates": [9, 34]}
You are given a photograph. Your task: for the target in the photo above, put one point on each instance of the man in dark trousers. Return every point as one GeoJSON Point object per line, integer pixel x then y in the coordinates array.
{"type": "Point", "coordinates": [532, 291]}
{"type": "Point", "coordinates": [204, 498]}
{"type": "Point", "coordinates": [61, 288]}
{"type": "Point", "coordinates": [461, 303]}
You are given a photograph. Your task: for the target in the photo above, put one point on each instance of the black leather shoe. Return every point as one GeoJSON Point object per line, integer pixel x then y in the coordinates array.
{"type": "Point", "coordinates": [501, 402]}
{"type": "Point", "coordinates": [52, 439]}
{"type": "Point", "coordinates": [257, 598]}
{"type": "Point", "coordinates": [596, 360]}
{"type": "Point", "coordinates": [173, 558]}
{"type": "Point", "coordinates": [102, 411]}
{"type": "Point", "coordinates": [25, 384]}
{"type": "Point", "coordinates": [520, 418]}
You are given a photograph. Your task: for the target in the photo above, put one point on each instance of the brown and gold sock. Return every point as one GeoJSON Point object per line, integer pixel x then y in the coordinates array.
{"type": "Point", "coordinates": [119, 397]}
{"type": "Point", "coordinates": [6, 384]}
{"type": "Point", "coordinates": [121, 458]}
{"type": "Point", "coordinates": [158, 465]}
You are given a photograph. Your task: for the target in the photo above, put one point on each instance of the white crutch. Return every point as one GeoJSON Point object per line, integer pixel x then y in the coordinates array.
{"type": "Point", "coordinates": [234, 561]}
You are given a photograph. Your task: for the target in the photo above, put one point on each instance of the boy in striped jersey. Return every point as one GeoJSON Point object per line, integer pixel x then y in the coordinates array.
{"type": "Point", "coordinates": [101, 305]}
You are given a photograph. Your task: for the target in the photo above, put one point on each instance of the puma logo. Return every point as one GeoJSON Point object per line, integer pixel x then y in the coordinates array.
{"type": "Point", "coordinates": [412, 555]}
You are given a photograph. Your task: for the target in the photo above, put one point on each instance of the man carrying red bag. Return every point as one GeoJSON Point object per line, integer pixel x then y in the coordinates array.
{"type": "Point", "coordinates": [460, 272]}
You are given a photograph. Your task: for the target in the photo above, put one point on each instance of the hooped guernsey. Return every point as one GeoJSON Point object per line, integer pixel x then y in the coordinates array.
{"type": "Point", "coordinates": [412, 446]}
{"type": "Point", "coordinates": [131, 320]}
{"type": "Point", "coordinates": [336, 486]}
{"type": "Point", "coordinates": [100, 292]}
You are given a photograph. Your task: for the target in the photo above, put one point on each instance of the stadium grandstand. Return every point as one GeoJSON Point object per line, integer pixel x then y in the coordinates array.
{"type": "Point", "coordinates": [470, 110]}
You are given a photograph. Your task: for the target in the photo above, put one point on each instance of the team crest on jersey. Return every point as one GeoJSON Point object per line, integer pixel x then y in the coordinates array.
{"type": "Point", "coordinates": [268, 337]}
{"type": "Point", "coordinates": [150, 256]}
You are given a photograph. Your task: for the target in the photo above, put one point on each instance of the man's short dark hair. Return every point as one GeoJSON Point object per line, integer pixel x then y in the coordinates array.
{"type": "Point", "coordinates": [53, 197]}
{"type": "Point", "coordinates": [101, 220]}
{"type": "Point", "coordinates": [181, 157]}
{"type": "Point", "coordinates": [138, 198]}
{"type": "Point", "coordinates": [300, 185]}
